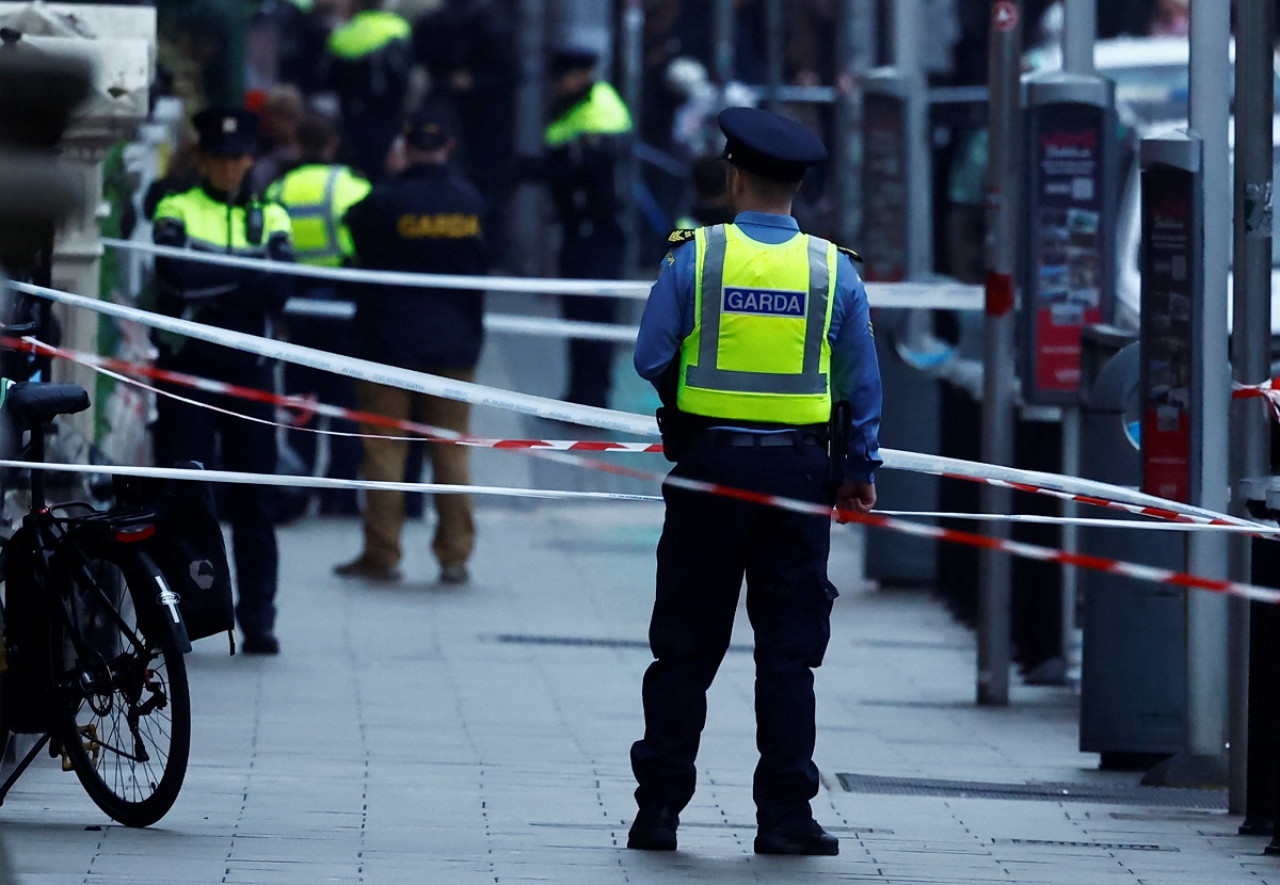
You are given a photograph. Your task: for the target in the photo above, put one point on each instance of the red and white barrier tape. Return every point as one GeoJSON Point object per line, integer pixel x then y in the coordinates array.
{"type": "Point", "coordinates": [1266, 390]}
{"type": "Point", "coordinates": [1136, 571]}
{"type": "Point", "coordinates": [305, 407]}
{"type": "Point", "coordinates": [1082, 490]}
{"type": "Point", "coordinates": [378, 373]}
{"type": "Point", "coordinates": [308, 406]}
{"type": "Point", "coordinates": [1090, 522]}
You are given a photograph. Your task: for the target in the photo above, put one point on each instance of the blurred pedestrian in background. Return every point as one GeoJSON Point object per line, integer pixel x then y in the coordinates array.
{"type": "Point", "coordinates": [468, 49]}
{"type": "Point", "coordinates": [758, 338]}
{"type": "Point", "coordinates": [317, 194]}
{"type": "Point", "coordinates": [366, 63]}
{"type": "Point", "coordinates": [710, 195]}
{"type": "Point", "coordinates": [587, 141]}
{"type": "Point", "coordinates": [277, 150]}
{"type": "Point", "coordinates": [1171, 18]}
{"type": "Point", "coordinates": [427, 219]}
{"type": "Point", "coordinates": [220, 215]}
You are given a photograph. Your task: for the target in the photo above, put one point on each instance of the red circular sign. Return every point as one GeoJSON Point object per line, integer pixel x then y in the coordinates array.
{"type": "Point", "coordinates": [1004, 15]}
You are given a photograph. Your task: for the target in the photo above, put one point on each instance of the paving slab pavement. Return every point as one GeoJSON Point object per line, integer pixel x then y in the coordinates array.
{"type": "Point", "coordinates": [421, 733]}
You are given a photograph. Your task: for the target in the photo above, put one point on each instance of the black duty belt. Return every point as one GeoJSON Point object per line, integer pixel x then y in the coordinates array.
{"type": "Point", "coordinates": [744, 439]}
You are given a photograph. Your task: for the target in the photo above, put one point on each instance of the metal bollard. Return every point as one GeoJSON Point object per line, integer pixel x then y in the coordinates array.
{"type": "Point", "coordinates": [1262, 789]}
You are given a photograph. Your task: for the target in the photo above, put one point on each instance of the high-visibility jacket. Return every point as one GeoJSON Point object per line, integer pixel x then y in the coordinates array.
{"type": "Point", "coordinates": [367, 63]}
{"type": "Point", "coordinates": [317, 196]}
{"type": "Point", "coordinates": [586, 142]}
{"type": "Point", "coordinates": [601, 112]}
{"type": "Point", "coordinates": [759, 350]}
{"type": "Point", "coordinates": [367, 32]}
{"type": "Point", "coordinates": [235, 298]}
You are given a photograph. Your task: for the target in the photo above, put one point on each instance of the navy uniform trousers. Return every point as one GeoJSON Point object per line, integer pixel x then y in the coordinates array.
{"type": "Point", "coordinates": [595, 257]}
{"type": "Point", "coordinates": [708, 544]}
{"type": "Point", "coordinates": [185, 432]}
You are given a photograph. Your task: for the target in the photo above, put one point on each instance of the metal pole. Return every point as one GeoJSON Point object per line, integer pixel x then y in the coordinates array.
{"type": "Point", "coordinates": [526, 203]}
{"type": "Point", "coordinates": [1078, 35]}
{"type": "Point", "coordinates": [723, 35]}
{"type": "Point", "coordinates": [855, 54]}
{"type": "Point", "coordinates": [1251, 322]}
{"type": "Point", "coordinates": [1003, 202]}
{"type": "Point", "coordinates": [908, 58]}
{"type": "Point", "coordinates": [632, 60]}
{"type": "Point", "coordinates": [1080, 30]}
{"type": "Point", "coordinates": [775, 48]}
{"type": "Point", "coordinates": [1210, 387]}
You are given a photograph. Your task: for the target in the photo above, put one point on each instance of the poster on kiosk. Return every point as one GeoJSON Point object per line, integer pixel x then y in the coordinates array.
{"type": "Point", "coordinates": [1069, 267]}
{"type": "Point", "coordinates": [1172, 284]}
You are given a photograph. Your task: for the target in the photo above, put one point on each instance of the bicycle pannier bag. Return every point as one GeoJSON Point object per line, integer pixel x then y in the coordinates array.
{"type": "Point", "coordinates": [189, 550]}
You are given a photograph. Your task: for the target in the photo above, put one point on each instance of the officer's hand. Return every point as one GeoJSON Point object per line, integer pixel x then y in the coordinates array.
{"type": "Point", "coordinates": [855, 496]}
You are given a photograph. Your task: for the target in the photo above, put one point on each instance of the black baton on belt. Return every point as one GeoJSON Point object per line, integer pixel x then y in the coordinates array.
{"type": "Point", "coordinates": [841, 415]}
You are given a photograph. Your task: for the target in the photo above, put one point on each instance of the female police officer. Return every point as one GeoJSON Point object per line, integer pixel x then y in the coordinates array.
{"type": "Point", "coordinates": [759, 329]}
{"type": "Point", "coordinates": [217, 215]}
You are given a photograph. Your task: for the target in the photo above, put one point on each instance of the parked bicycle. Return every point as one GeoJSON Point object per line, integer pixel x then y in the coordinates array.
{"type": "Point", "coordinates": [99, 607]}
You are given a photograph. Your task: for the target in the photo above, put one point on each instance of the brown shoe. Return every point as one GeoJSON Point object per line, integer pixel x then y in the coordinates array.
{"type": "Point", "coordinates": [370, 571]}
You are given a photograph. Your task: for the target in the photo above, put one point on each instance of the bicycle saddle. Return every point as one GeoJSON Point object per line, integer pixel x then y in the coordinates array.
{"type": "Point", "coordinates": [32, 404]}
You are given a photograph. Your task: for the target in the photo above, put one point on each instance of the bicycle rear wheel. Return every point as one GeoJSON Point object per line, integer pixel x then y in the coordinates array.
{"type": "Point", "coordinates": [124, 706]}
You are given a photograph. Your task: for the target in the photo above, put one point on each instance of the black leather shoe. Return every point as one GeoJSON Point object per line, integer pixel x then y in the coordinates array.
{"type": "Point", "coordinates": [261, 644]}
{"type": "Point", "coordinates": [654, 830]}
{"type": "Point", "coordinates": [805, 837]}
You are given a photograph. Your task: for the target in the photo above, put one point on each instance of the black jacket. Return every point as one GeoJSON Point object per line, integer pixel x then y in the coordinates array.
{"type": "Point", "coordinates": [425, 220]}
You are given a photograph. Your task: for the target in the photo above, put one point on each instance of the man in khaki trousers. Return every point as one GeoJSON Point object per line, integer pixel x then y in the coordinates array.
{"type": "Point", "coordinates": [426, 219]}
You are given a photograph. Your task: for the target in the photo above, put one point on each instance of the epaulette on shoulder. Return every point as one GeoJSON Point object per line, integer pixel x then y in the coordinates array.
{"type": "Point", "coordinates": [680, 236]}
{"type": "Point", "coordinates": [854, 256]}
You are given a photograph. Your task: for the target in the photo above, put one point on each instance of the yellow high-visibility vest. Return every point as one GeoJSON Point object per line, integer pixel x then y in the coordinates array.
{"type": "Point", "coordinates": [759, 350]}
{"type": "Point", "coordinates": [317, 196]}
{"type": "Point", "coordinates": [367, 32]}
{"type": "Point", "coordinates": [603, 112]}
{"type": "Point", "coordinates": [218, 227]}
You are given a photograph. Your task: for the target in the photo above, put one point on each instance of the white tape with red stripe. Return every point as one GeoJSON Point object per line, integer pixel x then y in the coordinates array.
{"type": "Point", "coordinates": [378, 373]}
{"type": "Point", "coordinates": [633, 423]}
{"type": "Point", "coordinates": [905, 296]}
{"type": "Point", "coordinates": [105, 364]}
{"type": "Point", "coordinates": [1136, 571]}
{"type": "Point", "coordinates": [1082, 490]}
{"type": "Point", "coordinates": [1267, 390]}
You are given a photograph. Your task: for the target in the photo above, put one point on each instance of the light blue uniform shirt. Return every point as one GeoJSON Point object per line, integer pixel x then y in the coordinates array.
{"type": "Point", "coordinates": [855, 373]}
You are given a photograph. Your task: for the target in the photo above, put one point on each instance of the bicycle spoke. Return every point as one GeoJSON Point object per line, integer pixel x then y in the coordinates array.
{"type": "Point", "coordinates": [138, 682]}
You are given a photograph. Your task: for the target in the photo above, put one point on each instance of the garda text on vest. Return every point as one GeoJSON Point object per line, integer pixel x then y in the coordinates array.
{"type": "Point", "coordinates": [764, 302]}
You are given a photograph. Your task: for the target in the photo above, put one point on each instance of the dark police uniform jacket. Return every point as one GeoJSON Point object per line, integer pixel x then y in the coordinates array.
{"type": "Point", "coordinates": [425, 220]}
{"type": "Point", "coordinates": [236, 298]}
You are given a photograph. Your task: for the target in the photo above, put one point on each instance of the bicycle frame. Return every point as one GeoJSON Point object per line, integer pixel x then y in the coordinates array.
{"type": "Point", "coordinates": [57, 554]}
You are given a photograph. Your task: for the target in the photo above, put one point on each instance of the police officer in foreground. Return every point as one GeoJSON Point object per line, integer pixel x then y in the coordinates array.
{"type": "Point", "coordinates": [756, 335]}
{"type": "Point", "coordinates": [425, 220]}
{"type": "Point", "coordinates": [217, 215]}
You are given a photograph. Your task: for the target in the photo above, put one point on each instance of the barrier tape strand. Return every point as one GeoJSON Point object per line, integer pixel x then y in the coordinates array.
{"type": "Point", "coordinates": [1149, 574]}
{"type": "Point", "coordinates": [604, 418]}
{"type": "Point", "coordinates": [898, 296]}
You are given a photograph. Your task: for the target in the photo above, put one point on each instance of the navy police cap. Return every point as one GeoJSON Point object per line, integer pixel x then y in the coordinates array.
{"type": "Point", "coordinates": [572, 57]}
{"type": "Point", "coordinates": [768, 144]}
{"type": "Point", "coordinates": [226, 132]}
{"type": "Point", "coordinates": [427, 130]}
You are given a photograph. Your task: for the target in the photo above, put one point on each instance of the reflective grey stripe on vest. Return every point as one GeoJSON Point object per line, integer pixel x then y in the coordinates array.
{"type": "Point", "coordinates": [323, 211]}
{"type": "Point", "coordinates": [705, 374]}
